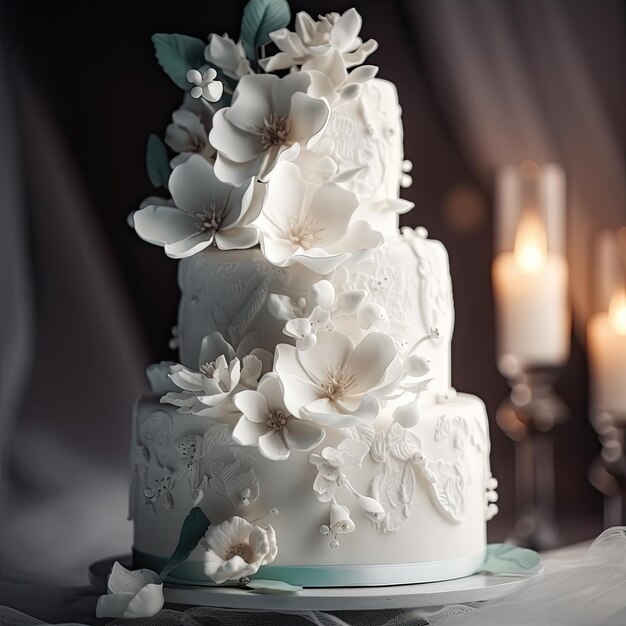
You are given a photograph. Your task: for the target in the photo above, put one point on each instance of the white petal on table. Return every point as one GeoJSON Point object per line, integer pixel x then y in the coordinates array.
{"type": "Point", "coordinates": [131, 594]}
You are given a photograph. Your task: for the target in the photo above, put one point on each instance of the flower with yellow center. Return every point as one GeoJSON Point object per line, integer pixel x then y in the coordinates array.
{"type": "Point", "coordinates": [311, 225]}
{"type": "Point", "coordinates": [236, 548]}
{"type": "Point", "coordinates": [267, 423]}
{"type": "Point", "coordinates": [337, 383]}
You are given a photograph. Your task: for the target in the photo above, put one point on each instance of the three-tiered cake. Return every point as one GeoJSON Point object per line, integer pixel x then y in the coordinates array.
{"type": "Point", "coordinates": [311, 417]}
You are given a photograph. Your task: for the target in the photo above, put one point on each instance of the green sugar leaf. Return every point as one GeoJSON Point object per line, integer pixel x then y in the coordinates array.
{"type": "Point", "coordinates": [157, 162]}
{"type": "Point", "coordinates": [177, 54]}
{"type": "Point", "coordinates": [507, 560]}
{"type": "Point", "coordinates": [260, 18]}
{"type": "Point", "coordinates": [193, 529]}
{"type": "Point", "coordinates": [271, 586]}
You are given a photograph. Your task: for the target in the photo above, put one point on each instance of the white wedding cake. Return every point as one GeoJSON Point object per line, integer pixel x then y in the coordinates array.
{"type": "Point", "coordinates": [309, 434]}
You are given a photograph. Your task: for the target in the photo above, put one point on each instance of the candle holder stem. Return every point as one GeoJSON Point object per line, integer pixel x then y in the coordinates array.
{"type": "Point", "coordinates": [608, 472]}
{"type": "Point", "coordinates": [528, 417]}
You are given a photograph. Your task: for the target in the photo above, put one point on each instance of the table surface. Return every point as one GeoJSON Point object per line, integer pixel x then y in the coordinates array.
{"type": "Point", "coordinates": [55, 604]}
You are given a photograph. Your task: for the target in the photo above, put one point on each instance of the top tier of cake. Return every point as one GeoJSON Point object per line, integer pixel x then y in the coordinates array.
{"type": "Point", "coordinates": [227, 290]}
{"type": "Point", "coordinates": [366, 132]}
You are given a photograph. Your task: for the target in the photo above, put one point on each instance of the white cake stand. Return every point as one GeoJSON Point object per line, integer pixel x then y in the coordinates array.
{"type": "Point", "coordinates": [475, 588]}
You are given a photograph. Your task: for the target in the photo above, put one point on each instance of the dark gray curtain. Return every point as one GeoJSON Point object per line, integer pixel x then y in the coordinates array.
{"type": "Point", "coordinates": [72, 356]}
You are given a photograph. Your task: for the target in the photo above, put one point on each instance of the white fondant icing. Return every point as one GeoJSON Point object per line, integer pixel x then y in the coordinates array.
{"type": "Point", "coordinates": [424, 529]}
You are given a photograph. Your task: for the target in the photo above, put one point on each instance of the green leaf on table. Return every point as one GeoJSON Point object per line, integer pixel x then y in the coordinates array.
{"type": "Point", "coordinates": [193, 529]}
{"type": "Point", "coordinates": [177, 54]}
{"type": "Point", "coordinates": [272, 586]}
{"type": "Point", "coordinates": [260, 18]}
{"type": "Point", "coordinates": [507, 560]}
{"type": "Point", "coordinates": [157, 162]}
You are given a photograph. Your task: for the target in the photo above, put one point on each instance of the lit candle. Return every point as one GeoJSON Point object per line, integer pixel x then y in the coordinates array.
{"type": "Point", "coordinates": [606, 339]}
{"type": "Point", "coordinates": [530, 286]}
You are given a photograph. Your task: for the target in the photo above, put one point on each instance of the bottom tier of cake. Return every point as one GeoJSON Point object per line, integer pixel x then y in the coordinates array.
{"type": "Point", "coordinates": [373, 505]}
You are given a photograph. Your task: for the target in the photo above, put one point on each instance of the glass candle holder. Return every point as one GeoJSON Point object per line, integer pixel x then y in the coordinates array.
{"type": "Point", "coordinates": [606, 347]}
{"type": "Point", "coordinates": [533, 326]}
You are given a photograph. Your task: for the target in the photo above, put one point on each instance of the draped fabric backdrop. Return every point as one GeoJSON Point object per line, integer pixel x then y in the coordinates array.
{"type": "Point", "coordinates": [84, 305]}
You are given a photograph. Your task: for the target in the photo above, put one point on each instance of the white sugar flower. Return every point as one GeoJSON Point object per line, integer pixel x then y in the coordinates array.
{"type": "Point", "coordinates": [205, 85]}
{"type": "Point", "coordinates": [330, 463]}
{"type": "Point", "coordinates": [268, 424]}
{"type": "Point", "coordinates": [314, 39]}
{"type": "Point", "coordinates": [236, 548]}
{"type": "Point", "coordinates": [221, 374]}
{"type": "Point", "coordinates": [131, 594]}
{"type": "Point", "coordinates": [336, 383]}
{"type": "Point", "coordinates": [306, 316]}
{"type": "Point", "coordinates": [228, 55]}
{"type": "Point", "coordinates": [270, 120]}
{"type": "Point", "coordinates": [207, 211]}
{"type": "Point", "coordinates": [330, 79]}
{"type": "Point", "coordinates": [187, 135]}
{"type": "Point", "coordinates": [308, 225]}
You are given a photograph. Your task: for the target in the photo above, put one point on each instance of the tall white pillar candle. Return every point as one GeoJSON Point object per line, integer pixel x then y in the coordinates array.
{"type": "Point", "coordinates": [606, 340]}
{"type": "Point", "coordinates": [532, 312]}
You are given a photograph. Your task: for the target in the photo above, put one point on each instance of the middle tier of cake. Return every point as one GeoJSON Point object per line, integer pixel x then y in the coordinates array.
{"type": "Point", "coordinates": [408, 276]}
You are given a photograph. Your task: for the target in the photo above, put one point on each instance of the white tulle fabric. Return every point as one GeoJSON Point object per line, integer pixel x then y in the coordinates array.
{"type": "Point", "coordinates": [591, 590]}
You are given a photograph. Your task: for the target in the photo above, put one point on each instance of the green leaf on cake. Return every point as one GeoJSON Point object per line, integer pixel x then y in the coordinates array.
{"type": "Point", "coordinates": [271, 586]}
{"type": "Point", "coordinates": [157, 162]}
{"type": "Point", "coordinates": [260, 18]}
{"type": "Point", "coordinates": [507, 560]}
{"type": "Point", "coordinates": [177, 54]}
{"type": "Point", "coordinates": [193, 529]}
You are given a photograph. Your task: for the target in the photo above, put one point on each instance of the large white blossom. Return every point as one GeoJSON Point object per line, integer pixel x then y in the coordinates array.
{"type": "Point", "coordinates": [270, 120]}
{"type": "Point", "coordinates": [207, 211]}
{"type": "Point", "coordinates": [221, 374]}
{"type": "Point", "coordinates": [267, 423]}
{"type": "Point", "coordinates": [311, 225]}
{"type": "Point", "coordinates": [236, 548]}
{"type": "Point", "coordinates": [336, 383]}
{"type": "Point", "coordinates": [332, 32]}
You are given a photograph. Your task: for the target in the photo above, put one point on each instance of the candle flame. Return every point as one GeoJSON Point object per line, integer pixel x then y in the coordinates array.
{"type": "Point", "coordinates": [617, 312]}
{"type": "Point", "coordinates": [531, 246]}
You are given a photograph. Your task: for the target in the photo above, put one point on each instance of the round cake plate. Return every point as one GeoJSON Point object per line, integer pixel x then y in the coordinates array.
{"type": "Point", "coordinates": [475, 588]}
